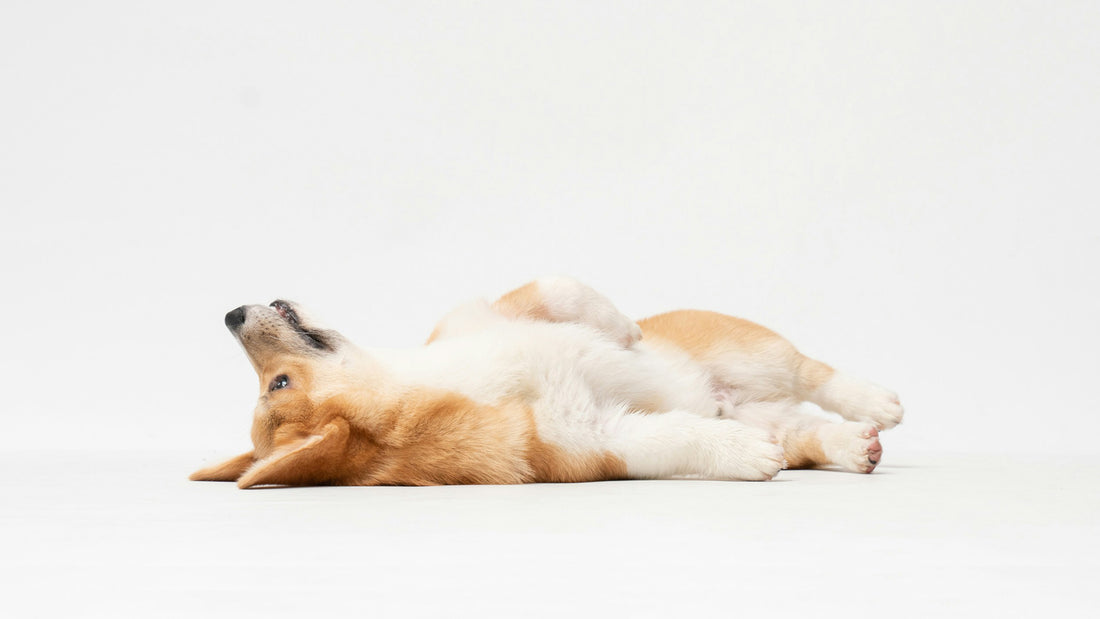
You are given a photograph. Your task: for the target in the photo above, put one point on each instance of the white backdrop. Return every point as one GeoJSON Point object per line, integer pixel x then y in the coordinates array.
{"type": "Point", "coordinates": [906, 190]}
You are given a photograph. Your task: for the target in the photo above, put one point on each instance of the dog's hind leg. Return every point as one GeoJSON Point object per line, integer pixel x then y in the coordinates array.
{"type": "Point", "coordinates": [853, 398]}
{"type": "Point", "coordinates": [809, 441]}
{"type": "Point", "coordinates": [757, 364]}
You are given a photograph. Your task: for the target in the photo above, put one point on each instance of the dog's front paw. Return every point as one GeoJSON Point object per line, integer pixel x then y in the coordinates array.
{"type": "Point", "coordinates": [629, 334]}
{"type": "Point", "coordinates": [568, 300]}
{"type": "Point", "coordinates": [851, 445]}
{"type": "Point", "coordinates": [765, 463]}
{"type": "Point", "coordinates": [611, 323]}
{"type": "Point", "coordinates": [753, 456]}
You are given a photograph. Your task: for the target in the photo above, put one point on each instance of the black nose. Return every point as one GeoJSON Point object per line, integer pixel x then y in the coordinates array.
{"type": "Point", "coordinates": [235, 318]}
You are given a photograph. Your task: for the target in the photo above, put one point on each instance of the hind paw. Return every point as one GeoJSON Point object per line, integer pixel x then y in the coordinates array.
{"type": "Point", "coordinates": [852, 446]}
{"type": "Point", "coordinates": [859, 400]}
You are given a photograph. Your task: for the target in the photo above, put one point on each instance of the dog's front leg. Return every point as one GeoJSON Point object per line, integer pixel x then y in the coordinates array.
{"type": "Point", "coordinates": [549, 299]}
{"type": "Point", "coordinates": [677, 443]}
{"type": "Point", "coordinates": [564, 299]}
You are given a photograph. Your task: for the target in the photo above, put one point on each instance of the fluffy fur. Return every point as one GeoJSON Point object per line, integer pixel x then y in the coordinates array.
{"type": "Point", "coordinates": [551, 383]}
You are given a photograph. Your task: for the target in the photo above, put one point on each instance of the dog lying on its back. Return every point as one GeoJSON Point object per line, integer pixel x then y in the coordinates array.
{"type": "Point", "coordinates": [551, 383]}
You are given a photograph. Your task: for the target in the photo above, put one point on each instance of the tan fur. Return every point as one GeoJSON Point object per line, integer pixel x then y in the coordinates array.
{"type": "Point", "coordinates": [433, 336]}
{"type": "Point", "coordinates": [812, 374]}
{"type": "Point", "coordinates": [446, 438]}
{"type": "Point", "coordinates": [230, 470]}
{"type": "Point", "coordinates": [524, 302]}
{"type": "Point", "coordinates": [802, 447]}
{"type": "Point", "coordinates": [416, 438]}
{"type": "Point", "coordinates": [711, 338]}
{"type": "Point", "coordinates": [702, 333]}
{"type": "Point", "coordinates": [304, 458]}
{"type": "Point", "coordinates": [551, 463]}
{"type": "Point", "coordinates": [427, 438]}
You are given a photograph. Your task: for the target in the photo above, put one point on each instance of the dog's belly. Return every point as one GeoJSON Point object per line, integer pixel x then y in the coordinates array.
{"type": "Point", "coordinates": [572, 379]}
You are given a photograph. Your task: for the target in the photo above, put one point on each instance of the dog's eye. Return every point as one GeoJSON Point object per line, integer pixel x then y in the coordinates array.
{"type": "Point", "coordinates": [280, 381]}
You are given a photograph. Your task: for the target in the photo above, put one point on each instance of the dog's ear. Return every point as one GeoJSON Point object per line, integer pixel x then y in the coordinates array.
{"type": "Point", "coordinates": [230, 470]}
{"type": "Point", "coordinates": [312, 459]}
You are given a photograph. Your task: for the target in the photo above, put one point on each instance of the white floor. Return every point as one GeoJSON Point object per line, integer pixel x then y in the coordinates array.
{"type": "Point", "coordinates": [125, 535]}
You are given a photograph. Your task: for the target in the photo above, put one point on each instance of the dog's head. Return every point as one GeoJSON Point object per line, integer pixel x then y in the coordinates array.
{"type": "Point", "coordinates": [330, 413]}
{"type": "Point", "coordinates": [300, 430]}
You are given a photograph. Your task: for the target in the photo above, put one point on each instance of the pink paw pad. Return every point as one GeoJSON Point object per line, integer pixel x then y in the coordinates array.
{"type": "Point", "coordinates": [874, 455]}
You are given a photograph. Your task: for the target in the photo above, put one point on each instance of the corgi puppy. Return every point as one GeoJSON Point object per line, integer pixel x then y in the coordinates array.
{"type": "Point", "coordinates": [549, 383]}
